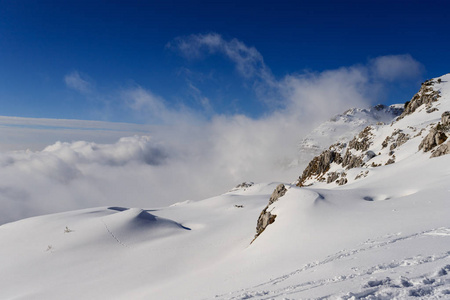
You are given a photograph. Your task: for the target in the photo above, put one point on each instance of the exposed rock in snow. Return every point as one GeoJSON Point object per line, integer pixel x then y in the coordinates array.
{"type": "Point", "coordinates": [437, 135]}
{"type": "Point", "coordinates": [332, 176]}
{"type": "Point", "coordinates": [344, 127]}
{"type": "Point", "coordinates": [376, 145]}
{"type": "Point", "coordinates": [243, 186]}
{"type": "Point", "coordinates": [445, 118]}
{"type": "Point", "coordinates": [279, 192]}
{"type": "Point", "coordinates": [426, 95]}
{"type": "Point", "coordinates": [362, 140]}
{"type": "Point", "coordinates": [443, 149]}
{"type": "Point", "coordinates": [318, 166]}
{"type": "Point", "coordinates": [397, 139]}
{"type": "Point", "coordinates": [266, 218]}
{"type": "Point", "coordinates": [433, 139]}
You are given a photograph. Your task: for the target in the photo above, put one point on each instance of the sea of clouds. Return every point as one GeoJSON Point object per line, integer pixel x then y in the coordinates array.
{"type": "Point", "coordinates": [60, 165]}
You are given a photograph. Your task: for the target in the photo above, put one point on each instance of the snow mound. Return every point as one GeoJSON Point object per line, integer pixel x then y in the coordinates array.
{"type": "Point", "coordinates": [132, 225]}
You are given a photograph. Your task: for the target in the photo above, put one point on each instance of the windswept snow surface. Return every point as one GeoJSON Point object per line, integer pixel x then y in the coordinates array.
{"type": "Point", "coordinates": [384, 236]}
{"type": "Point", "coordinates": [324, 243]}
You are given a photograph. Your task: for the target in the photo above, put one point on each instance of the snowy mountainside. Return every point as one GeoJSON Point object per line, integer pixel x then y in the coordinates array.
{"type": "Point", "coordinates": [424, 120]}
{"type": "Point", "coordinates": [383, 235]}
{"type": "Point", "coordinates": [343, 127]}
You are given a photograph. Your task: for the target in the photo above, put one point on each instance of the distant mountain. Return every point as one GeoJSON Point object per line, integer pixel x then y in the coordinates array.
{"type": "Point", "coordinates": [345, 126]}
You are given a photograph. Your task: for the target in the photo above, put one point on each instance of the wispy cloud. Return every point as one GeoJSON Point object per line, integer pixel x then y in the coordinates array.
{"type": "Point", "coordinates": [74, 81]}
{"type": "Point", "coordinates": [249, 62]}
{"type": "Point", "coordinates": [140, 99]}
{"type": "Point", "coordinates": [154, 109]}
{"type": "Point", "coordinates": [200, 98]}
{"type": "Point", "coordinates": [361, 84]}
{"type": "Point", "coordinates": [396, 67]}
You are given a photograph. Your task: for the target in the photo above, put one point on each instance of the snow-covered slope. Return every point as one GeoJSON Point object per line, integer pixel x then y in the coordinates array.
{"type": "Point", "coordinates": [385, 235]}
{"type": "Point", "coordinates": [422, 127]}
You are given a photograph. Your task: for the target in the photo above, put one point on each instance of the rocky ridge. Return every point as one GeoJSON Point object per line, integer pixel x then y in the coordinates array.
{"type": "Point", "coordinates": [377, 144]}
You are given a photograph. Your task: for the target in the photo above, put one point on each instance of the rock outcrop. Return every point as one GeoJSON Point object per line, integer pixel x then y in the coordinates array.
{"type": "Point", "coordinates": [445, 118]}
{"type": "Point", "coordinates": [318, 166]}
{"type": "Point", "coordinates": [242, 186]}
{"type": "Point", "coordinates": [426, 95]}
{"type": "Point", "coordinates": [377, 145]}
{"type": "Point", "coordinates": [443, 149]}
{"type": "Point", "coordinates": [266, 218]}
{"type": "Point", "coordinates": [433, 139]}
{"type": "Point", "coordinates": [437, 136]}
{"type": "Point", "coordinates": [362, 141]}
{"type": "Point", "coordinates": [397, 139]}
{"type": "Point", "coordinates": [346, 156]}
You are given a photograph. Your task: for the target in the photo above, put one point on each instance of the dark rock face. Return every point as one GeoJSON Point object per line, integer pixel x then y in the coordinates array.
{"type": "Point", "coordinates": [362, 140]}
{"type": "Point", "coordinates": [390, 161]}
{"type": "Point", "coordinates": [426, 95]}
{"type": "Point", "coordinates": [242, 186]}
{"type": "Point", "coordinates": [266, 218]}
{"type": "Point", "coordinates": [279, 192]}
{"type": "Point", "coordinates": [443, 149]}
{"type": "Point", "coordinates": [351, 161]}
{"type": "Point", "coordinates": [437, 136]}
{"type": "Point", "coordinates": [397, 139]}
{"type": "Point", "coordinates": [332, 176]}
{"type": "Point", "coordinates": [342, 181]}
{"type": "Point", "coordinates": [445, 118]}
{"type": "Point", "coordinates": [319, 165]}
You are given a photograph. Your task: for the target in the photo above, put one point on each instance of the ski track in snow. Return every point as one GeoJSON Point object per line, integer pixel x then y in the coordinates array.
{"type": "Point", "coordinates": [113, 235]}
{"type": "Point", "coordinates": [421, 286]}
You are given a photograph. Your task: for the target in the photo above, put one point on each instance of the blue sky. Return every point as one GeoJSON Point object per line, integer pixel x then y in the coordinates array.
{"type": "Point", "coordinates": [152, 61]}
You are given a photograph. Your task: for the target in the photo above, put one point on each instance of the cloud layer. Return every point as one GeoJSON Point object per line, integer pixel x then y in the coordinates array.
{"type": "Point", "coordinates": [190, 156]}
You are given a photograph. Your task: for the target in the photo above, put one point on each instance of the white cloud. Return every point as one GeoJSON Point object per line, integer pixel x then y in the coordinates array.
{"type": "Point", "coordinates": [186, 156]}
{"type": "Point", "coordinates": [249, 62]}
{"type": "Point", "coordinates": [74, 81]}
{"type": "Point", "coordinates": [140, 99]}
{"type": "Point", "coordinates": [396, 67]}
{"type": "Point", "coordinates": [317, 96]}
{"type": "Point", "coordinates": [153, 109]}
{"type": "Point", "coordinates": [80, 174]}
